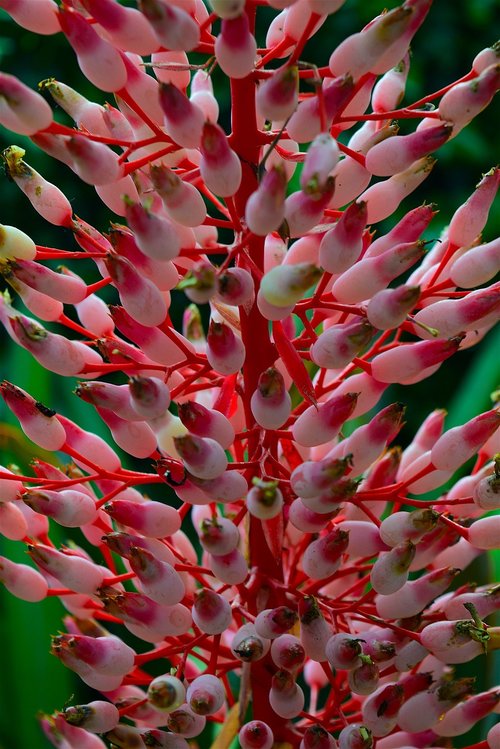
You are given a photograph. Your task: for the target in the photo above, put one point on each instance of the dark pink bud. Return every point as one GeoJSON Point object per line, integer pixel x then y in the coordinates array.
{"type": "Point", "coordinates": [342, 245]}
{"type": "Point", "coordinates": [277, 97]}
{"type": "Point", "coordinates": [38, 422]}
{"type": "Point", "coordinates": [21, 109]}
{"type": "Point", "coordinates": [225, 350]}
{"type": "Point", "coordinates": [183, 119]}
{"type": "Point", "coordinates": [235, 47]}
{"type": "Point", "coordinates": [265, 208]}
{"type": "Point", "coordinates": [153, 519]}
{"type": "Point", "coordinates": [396, 154]}
{"type": "Point", "coordinates": [140, 297]}
{"type": "Point", "coordinates": [220, 167]}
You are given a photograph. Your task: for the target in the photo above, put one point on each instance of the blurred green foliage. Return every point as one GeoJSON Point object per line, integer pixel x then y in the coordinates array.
{"type": "Point", "coordinates": [455, 31]}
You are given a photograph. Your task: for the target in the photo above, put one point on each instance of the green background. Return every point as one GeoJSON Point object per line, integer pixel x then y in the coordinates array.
{"type": "Point", "coordinates": [31, 679]}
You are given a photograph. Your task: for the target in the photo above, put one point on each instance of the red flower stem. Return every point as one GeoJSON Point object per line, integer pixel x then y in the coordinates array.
{"type": "Point", "coordinates": [131, 102]}
{"type": "Point", "coordinates": [353, 154]}
{"type": "Point", "coordinates": [430, 97]}
{"type": "Point", "coordinates": [403, 114]}
{"type": "Point", "coordinates": [313, 20]}
{"type": "Point", "coordinates": [118, 578]}
{"type": "Point", "coordinates": [131, 166]}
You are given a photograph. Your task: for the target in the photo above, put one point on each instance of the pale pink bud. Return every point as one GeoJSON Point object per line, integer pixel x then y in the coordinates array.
{"type": "Point", "coordinates": [76, 736]}
{"type": "Point", "coordinates": [459, 444]}
{"type": "Point", "coordinates": [389, 90]}
{"type": "Point", "coordinates": [343, 651]}
{"type": "Point", "coordinates": [13, 524]}
{"type": "Point", "coordinates": [408, 229]}
{"type": "Point", "coordinates": [225, 350]}
{"type": "Point", "coordinates": [108, 655]}
{"type": "Point", "coordinates": [249, 646]}
{"type": "Point", "coordinates": [369, 391]}
{"type": "Point", "coordinates": [493, 736]}
{"type": "Point", "coordinates": [140, 297]}
{"type": "Point", "coordinates": [90, 446]}
{"type": "Point", "coordinates": [314, 630]}
{"type": "Point", "coordinates": [9, 489]}
{"type": "Point", "coordinates": [155, 344]}
{"type": "Point", "coordinates": [390, 571]}
{"type": "Point", "coordinates": [305, 122]}
{"type": "Point", "coordinates": [38, 422]}
{"type": "Point", "coordinates": [68, 507]}
{"type": "Point", "coordinates": [182, 201]}
{"type": "Point", "coordinates": [465, 715]}
{"type": "Point", "coordinates": [355, 736]}
{"type": "Point", "coordinates": [277, 97]}
{"type": "Point", "coordinates": [153, 519]}
{"type": "Point", "coordinates": [339, 344]}
{"type": "Point", "coordinates": [469, 220]}
{"type": "Point", "coordinates": [183, 119]}
{"type": "Point", "coordinates": [174, 28]}
{"type": "Point", "coordinates": [256, 735]}
{"type": "Point", "coordinates": [22, 581]}
{"type": "Point", "coordinates": [364, 538]}
{"type": "Point", "coordinates": [477, 266]}
{"type": "Point", "coordinates": [287, 652]}
{"type": "Point", "coordinates": [321, 158]}
{"type": "Point", "coordinates": [485, 533]}
{"type": "Point", "coordinates": [384, 197]}
{"type": "Point", "coordinates": [206, 694]}
{"type": "Point", "coordinates": [264, 500]}
{"type": "Point", "coordinates": [285, 696]}
{"type": "Point", "coordinates": [407, 526]}
{"type": "Point", "coordinates": [390, 307]}
{"type": "Point", "coordinates": [74, 572]}
{"type": "Point", "coordinates": [320, 424]}
{"type": "Point", "coordinates": [45, 197]}
{"type": "Point", "coordinates": [39, 16]}
{"type": "Point", "coordinates": [203, 456]}
{"type": "Point", "coordinates": [54, 352]}
{"type": "Point", "coordinates": [235, 287]}
{"type": "Point", "coordinates": [364, 678]}
{"type": "Point", "coordinates": [415, 595]}
{"type": "Point", "coordinates": [451, 642]}
{"type": "Point", "coordinates": [485, 602]}
{"type": "Point", "coordinates": [371, 274]}
{"type": "Point", "coordinates": [69, 289]}
{"type": "Point", "coordinates": [220, 167]}
{"type": "Point", "coordinates": [15, 244]}
{"type": "Point", "coordinates": [99, 61]}
{"type": "Point", "coordinates": [407, 360]}
{"type": "Point", "coordinates": [218, 535]}
{"type": "Point", "coordinates": [342, 245]}
{"type": "Point", "coordinates": [285, 285]}
{"type": "Point", "coordinates": [21, 109]}
{"type": "Point", "coordinates": [464, 101]}
{"type": "Point", "coordinates": [235, 47]}
{"type": "Point", "coordinates": [265, 208]}
{"type": "Point", "coordinates": [155, 235]}
{"type": "Point", "coordinates": [322, 557]}
{"type": "Point", "coordinates": [228, 487]}
{"type": "Point", "coordinates": [95, 163]}
{"type": "Point", "coordinates": [135, 437]}
{"type": "Point", "coordinates": [396, 154]}
{"type": "Point", "coordinates": [271, 623]}
{"type": "Point", "coordinates": [97, 716]}
{"type": "Point", "coordinates": [158, 579]}
{"type": "Point", "coordinates": [205, 422]}
{"type": "Point", "coordinates": [200, 283]}
{"type": "Point", "coordinates": [306, 520]}
{"type": "Point", "coordinates": [145, 618]}
{"type": "Point", "coordinates": [270, 403]}
{"type": "Point", "coordinates": [211, 612]}
{"type": "Point", "coordinates": [149, 396]}
{"type": "Point", "coordinates": [230, 568]}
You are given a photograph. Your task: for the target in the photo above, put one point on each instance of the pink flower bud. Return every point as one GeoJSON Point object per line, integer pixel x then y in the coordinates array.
{"type": "Point", "coordinates": [140, 297]}
{"type": "Point", "coordinates": [285, 285]}
{"type": "Point", "coordinates": [343, 651]}
{"type": "Point", "coordinates": [182, 201]}
{"type": "Point", "coordinates": [384, 197]}
{"type": "Point", "coordinates": [256, 735]}
{"type": "Point", "coordinates": [68, 507]}
{"type": "Point", "coordinates": [405, 361]}
{"type": "Point", "coordinates": [21, 109]}
{"type": "Point", "coordinates": [390, 571]}
{"type": "Point", "coordinates": [205, 694]}
{"type": "Point", "coordinates": [314, 630]}
{"type": "Point", "coordinates": [372, 274]}
{"type": "Point", "coordinates": [381, 44]}
{"type": "Point", "coordinates": [145, 618]}
{"type": "Point", "coordinates": [55, 352]}
{"type": "Point", "coordinates": [493, 736]}
{"type": "Point", "coordinates": [107, 655]}
{"type": "Point", "coordinates": [203, 456]}
{"type": "Point", "coordinates": [305, 123]}
{"type": "Point", "coordinates": [390, 89]}
{"type": "Point", "coordinates": [149, 396]}
{"type": "Point", "coordinates": [264, 500]}
{"type": "Point", "coordinates": [389, 307]}
{"type": "Point", "coordinates": [45, 198]}
{"type": "Point", "coordinates": [155, 344]}
{"type": "Point", "coordinates": [457, 445]}
{"type": "Point", "coordinates": [235, 47]}
{"type": "Point", "coordinates": [364, 538]}
{"type": "Point", "coordinates": [465, 715]}
{"type": "Point", "coordinates": [43, 21]}
{"type": "Point", "coordinates": [355, 736]}
{"type": "Point", "coordinates": [249, 646]}
{"type": "Point", "coordinates": [469, 220]}
{"type": "Point", "coordinates": [99, 61]}
{"type": "Point", "coordinates": [408, 229]}
{"type": "Point", "coordinates": [153, 519]}
{"type": "Point", "coordinates": [205, 422]}
{"type": "Point", "coordinates": [285, 696]}
{"type": "Point", "coordinates": [271, 623]}
{"type": "Point", "coordinates": [322, 557]}
{"type": "Point", "coordinates": [321, 424]}
{"type": "Point", "coordinates": [407, 526]}
{"type": "Point", "coordinates": [339, 344]}
{"type": "Point", "coordinates": [453, 316]}
{"type": "Point", "coordinates": [22, 581]}
{"type": "Point", "coordinates": [174, 28]}
{"type": "Point", "coordinates": [304, 209]}
{"type": "Point", "coordinates": [415, 595]}
{"type": "Point", "coordinates": [265, 208]}
{"type": "Point", "coordinates": [211, 612]}
{"type": "Point", "coordinates": [76, 736]}
{"type": "Point", "coordinates": [477, 266]}
{"type": "Point", "coordinates": [89, 445]}
{"type": "Point", "coordinates": [38, 422]}
{"type": "Point", "coordinates": [225, 350]}
{"type": "Point", "coordinates": [74, 572]}
{"type": "Point", "coordinates": [155, 235]}
{"type": "Point", "coordinates": [218, 535]}
{"type": "Point", "coordinates": [464, 101]}
{"type": "Point", "coordinates": [235, 287]}
{"type": "Point", "coordinates": [220, 166]}
{"type": "Point", "coordinates": [183, 119]}
{"type": "Point", "coordinates": [158, 579]}
{"type": "Point", "coordinates": [69, 289]}
{"type": "Point", "coordinates": [270, 403]}
{"type": "Point", "coordinates": [277, 97]}
{"type": "Point", "coordinates": [321, 158]}
{"type": "Point", "coordinates": [342, 245]}
{"type": "Point", "coordinates": [13, 524]}
{"type": "Point", "coordinates": [396, 154]}
{"type": "Point", "coordinates": [15, 244]}
{"type": "Point", "coordinates": [485, 532]}
{"type": "Point", "coordinates": [135, 437]}
{"type": "Point", "coordinates": [97, 716]}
